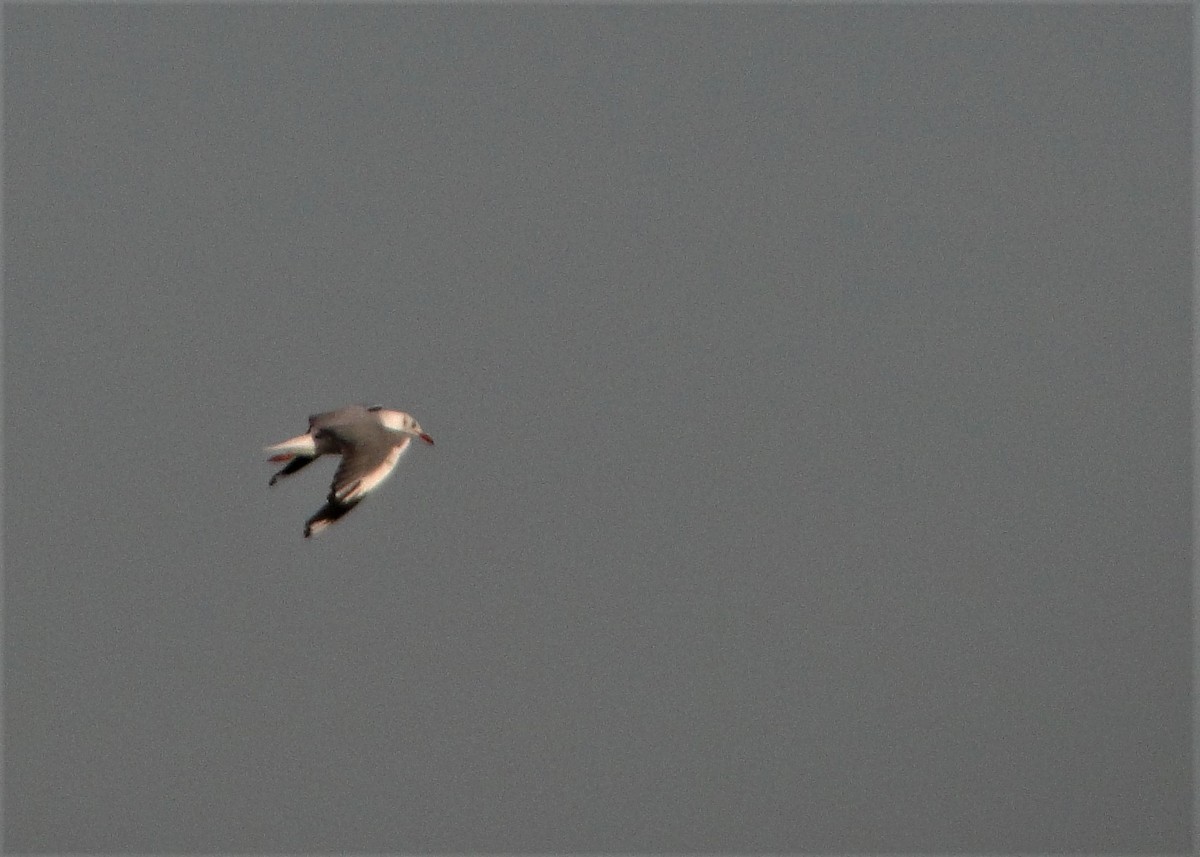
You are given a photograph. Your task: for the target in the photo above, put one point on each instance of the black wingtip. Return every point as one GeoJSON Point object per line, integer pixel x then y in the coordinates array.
{"type": "Point", "coordinates": [300, 461]}
{"type": "Point", "coordinates": [329, 514]}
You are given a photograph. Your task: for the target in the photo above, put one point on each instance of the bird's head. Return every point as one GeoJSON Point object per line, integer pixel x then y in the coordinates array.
{"type": "Point", "coordinates": [399, 421]}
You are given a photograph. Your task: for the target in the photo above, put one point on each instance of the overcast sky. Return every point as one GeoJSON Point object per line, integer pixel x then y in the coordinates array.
{"type": "Point", "coordinates": [811, 395]}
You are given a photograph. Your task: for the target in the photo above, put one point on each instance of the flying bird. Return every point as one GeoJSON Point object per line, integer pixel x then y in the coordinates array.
{"type": "Point", "coordinates": [370, 442]}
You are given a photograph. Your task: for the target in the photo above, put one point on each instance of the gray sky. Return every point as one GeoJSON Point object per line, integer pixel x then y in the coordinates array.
{"type": "Point", "coordinates": [811, 390]}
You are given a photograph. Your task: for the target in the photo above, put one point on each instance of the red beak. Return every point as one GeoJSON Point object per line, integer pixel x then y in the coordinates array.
{"type": "Point", "coordinates": [427, 439]}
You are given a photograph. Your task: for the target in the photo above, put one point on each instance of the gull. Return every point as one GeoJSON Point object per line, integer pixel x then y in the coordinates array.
{"type": "Point", "coordinates": [370, 441]}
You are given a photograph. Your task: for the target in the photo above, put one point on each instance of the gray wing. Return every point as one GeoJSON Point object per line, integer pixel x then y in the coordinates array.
{"type": "Point", "coordinates": [350, 431]}
{"type": "Point", "coordinates": [342, 416]}
{"type": "Point", "coordinates": [361, 470]}
{"type": "Point", "coordinates": [364, 466]}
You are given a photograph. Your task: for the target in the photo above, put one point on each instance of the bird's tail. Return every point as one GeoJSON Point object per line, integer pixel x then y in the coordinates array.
{"type": "Point", "coordinates": [304, 444]}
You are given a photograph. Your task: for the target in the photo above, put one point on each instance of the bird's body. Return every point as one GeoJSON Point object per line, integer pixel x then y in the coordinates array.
{"type": "Point", "coordinates": [370, 441]}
